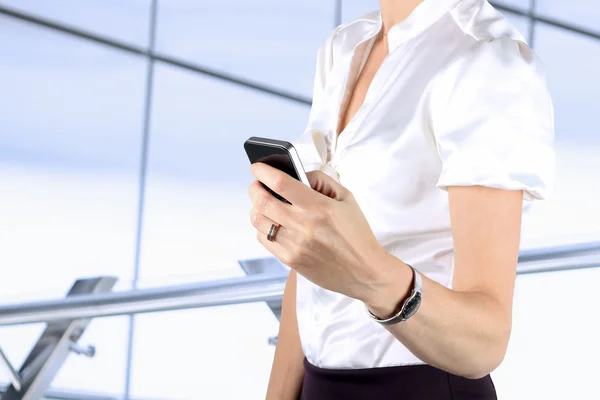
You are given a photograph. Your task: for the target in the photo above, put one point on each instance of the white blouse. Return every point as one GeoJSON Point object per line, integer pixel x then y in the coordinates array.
{"type": "Point", "coordinates": [460, 100]}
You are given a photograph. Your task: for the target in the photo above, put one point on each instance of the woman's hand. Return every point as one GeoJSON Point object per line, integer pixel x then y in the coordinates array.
{"type": "Point", "coordinates": [323, 234]}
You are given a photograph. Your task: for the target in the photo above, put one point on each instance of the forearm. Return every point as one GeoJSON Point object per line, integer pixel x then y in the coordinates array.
{"type": "Point", "coordinates": [462, 332]}
{"type": "Point", "coordinates": [287, 371]}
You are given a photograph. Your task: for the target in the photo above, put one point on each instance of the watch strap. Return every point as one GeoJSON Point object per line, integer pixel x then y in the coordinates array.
{"type": "Point", "coordinates": [400, 315]}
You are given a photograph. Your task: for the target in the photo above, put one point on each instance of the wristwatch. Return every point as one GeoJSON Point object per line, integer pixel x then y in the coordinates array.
{"type": "Point", "coordinates": [410, 305]}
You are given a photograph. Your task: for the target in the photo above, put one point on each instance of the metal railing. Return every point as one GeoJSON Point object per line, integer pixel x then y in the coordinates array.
{"type": "Point", "coordinates": [261, 287]}
{"type": "Point", "coordinates": [168, 298]}
{"type": "Point", "coordinates": [69, 394]}
{"type": "Point", "coordinates": [559, 258]}
{"type": "Point", "coordinates": [67, 318]}
{"type": "Point", "coordinates": [62, 394]}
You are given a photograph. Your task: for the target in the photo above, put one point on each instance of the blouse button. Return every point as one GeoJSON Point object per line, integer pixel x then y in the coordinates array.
{"type": "Point", "coordinates": [317, 316]}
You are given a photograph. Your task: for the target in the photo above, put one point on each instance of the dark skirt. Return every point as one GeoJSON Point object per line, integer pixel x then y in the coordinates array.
{"type": "Point", "coordinates": [413, 382]}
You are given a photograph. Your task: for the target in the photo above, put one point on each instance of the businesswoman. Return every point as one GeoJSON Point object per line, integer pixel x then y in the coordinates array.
{"type": "Point", "coordinates": [430, 133]}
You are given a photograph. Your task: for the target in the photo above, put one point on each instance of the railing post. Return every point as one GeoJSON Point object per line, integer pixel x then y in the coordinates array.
{"type": "Point", "coordinates": [54, 345]}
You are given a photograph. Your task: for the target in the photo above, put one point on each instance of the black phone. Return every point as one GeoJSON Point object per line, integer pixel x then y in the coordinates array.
{"type": "Point", "coordinates": [278, 154]}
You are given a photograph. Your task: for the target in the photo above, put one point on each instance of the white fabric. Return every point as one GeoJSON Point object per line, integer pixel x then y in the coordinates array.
{"type": "Point", "coordinates": [460, 100]}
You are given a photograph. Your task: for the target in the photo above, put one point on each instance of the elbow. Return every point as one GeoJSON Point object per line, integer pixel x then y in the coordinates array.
{"type": "Point", "coordinates": [487, 353]}
{"type": "Point", "coordinates": [485, 366]}
{"type": "Point", "coordinates": [480, 371]}
{"type": "Point", "coordinates": [486, 360]}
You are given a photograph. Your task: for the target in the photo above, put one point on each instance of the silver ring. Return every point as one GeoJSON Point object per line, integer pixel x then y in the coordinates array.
{"type": "Point", "coordinates": [272, 232]}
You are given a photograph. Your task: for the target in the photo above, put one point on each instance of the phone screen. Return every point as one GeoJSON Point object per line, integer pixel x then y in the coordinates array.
{"type": "Point", "coordinates": [274, 156]}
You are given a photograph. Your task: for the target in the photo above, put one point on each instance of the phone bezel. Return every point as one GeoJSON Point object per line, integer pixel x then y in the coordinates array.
{"type": "Point", "coordinates": [289, 149]}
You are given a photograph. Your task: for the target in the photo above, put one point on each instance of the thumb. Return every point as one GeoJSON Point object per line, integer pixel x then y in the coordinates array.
{"type": "Point", "coordinates": [326, 185]}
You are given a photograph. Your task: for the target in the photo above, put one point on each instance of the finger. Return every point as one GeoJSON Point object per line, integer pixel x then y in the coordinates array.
{"type": "Point", "coordinates": [326, 185]}
{"type": "Point", "coordinates": [263, 224]}
{"type": "Point", "coordinates": [281, 183]}
{"type": "Point", "coordinates": [275, 248]}
{"type": "Point", "coordinates": [268, 205]}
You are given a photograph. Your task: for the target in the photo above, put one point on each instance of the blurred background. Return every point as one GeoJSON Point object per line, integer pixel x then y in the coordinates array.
{"type": "Point", "coordinates": [121, 132]}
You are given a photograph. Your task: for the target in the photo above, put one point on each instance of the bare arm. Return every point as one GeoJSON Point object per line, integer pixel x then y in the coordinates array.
{"type": "Point", "coordinates": [464, 330]}
{"type": "Point", "coordinates": [287, 371]}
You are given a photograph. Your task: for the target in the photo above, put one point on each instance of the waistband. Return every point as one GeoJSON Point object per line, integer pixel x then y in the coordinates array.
{"type": "Point", "coordinates": [415, 382]}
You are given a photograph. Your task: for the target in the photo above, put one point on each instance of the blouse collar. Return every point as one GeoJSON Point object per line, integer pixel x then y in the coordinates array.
{"type": "Point", "coordinates": [422, 17]}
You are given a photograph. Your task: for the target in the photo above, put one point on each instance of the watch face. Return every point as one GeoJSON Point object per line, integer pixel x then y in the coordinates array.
{"type": "Point", "coordinates": [411, 306]}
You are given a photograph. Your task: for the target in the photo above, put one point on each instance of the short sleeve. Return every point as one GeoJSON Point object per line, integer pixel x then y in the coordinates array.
{"type": "Point", "coordinates": [493, 120]}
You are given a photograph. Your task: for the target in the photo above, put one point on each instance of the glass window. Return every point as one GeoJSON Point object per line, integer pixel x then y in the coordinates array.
{"type": "Point", "coordinates": [352, 9]}
{"type": "Point", "coordinates": [520, 4]}
{"type": "Point", "coordinates": [571, 61]}
{"type": "Point", "coordinates": [267, 41]}
{"type": "Point", "coordinates": [554, 346]}
{"type": "Point", "coordinates": [72, 102]}
{"type": "Point", "coordinates": [70, 127]}
{"type": "Point", "coordinates": [583, 13]}
{"type": "Point", "coordinates": [521, 23]}
{"type": "Point", "coordinates": [70, 142]}
{"type": "Point", "coordinates": [212, 353]}
{"type": "Point", "coordinates": [127, 20]}
{"type": "Point", "coordinates": [196, 218]}
{"type": "Point", "coordinates": [571, 214]}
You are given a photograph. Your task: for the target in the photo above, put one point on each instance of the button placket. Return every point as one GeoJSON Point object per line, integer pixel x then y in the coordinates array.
{"type": "Point", "coordinates": [358, 59]}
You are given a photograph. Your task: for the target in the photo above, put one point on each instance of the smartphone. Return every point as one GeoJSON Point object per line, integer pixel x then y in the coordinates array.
{"type": "Point", "coordinates": [278, 154]}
